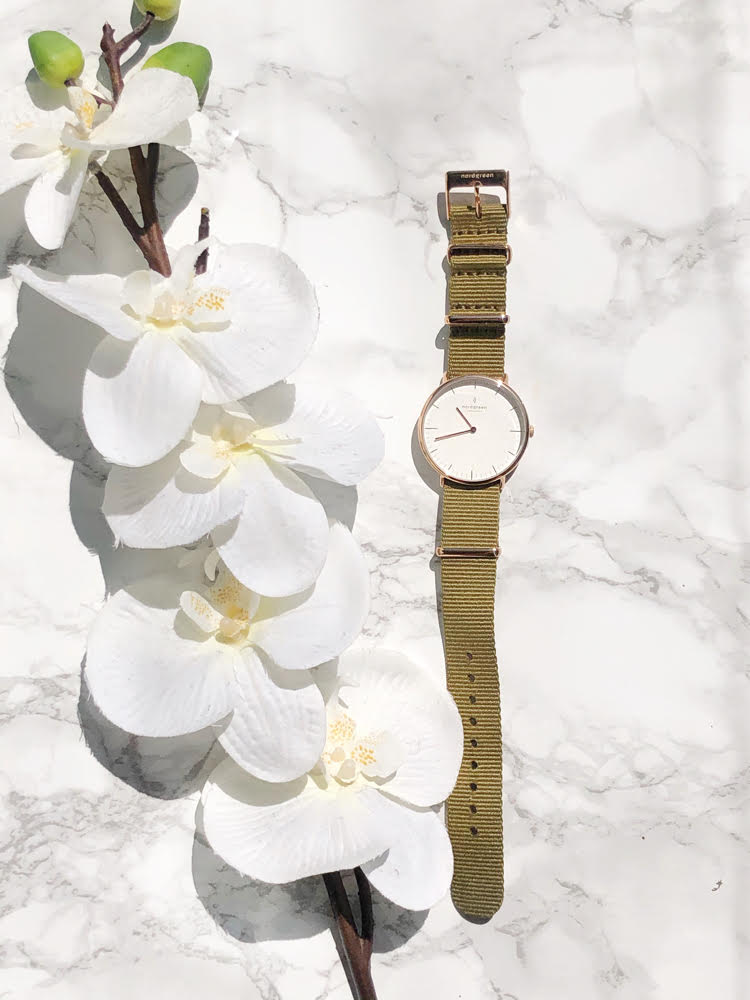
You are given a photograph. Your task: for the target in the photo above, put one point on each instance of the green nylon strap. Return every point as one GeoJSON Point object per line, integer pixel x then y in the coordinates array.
{"type": "Point", "coordinates": [470, 519]}
{"type": "Point", "coordinates": [477, 284]}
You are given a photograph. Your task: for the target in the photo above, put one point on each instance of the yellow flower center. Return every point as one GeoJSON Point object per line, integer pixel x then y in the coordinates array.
{"type": "Point", "coordinates": [224, 610]}
{"type": "Point", "coordinates": [349, 754]}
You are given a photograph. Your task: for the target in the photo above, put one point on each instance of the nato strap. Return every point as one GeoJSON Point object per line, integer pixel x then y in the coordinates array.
{"type": "Point", "coordinates": [468, 550]}
{"type": "Point", "coordinates": [474, 810]}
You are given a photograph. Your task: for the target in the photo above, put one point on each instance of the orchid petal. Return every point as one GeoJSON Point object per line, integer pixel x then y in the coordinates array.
{"type": "Point", "coordinates": [183, 265]}
{"type": "Point", "coordinates": [37, 141]}
{"type": "Point", "coordinates": [139, 400]}
{"type": "Point", "coordinates": [152, 103]}
{"type": "Point", "coordinates": [384, 689]}
{"type": "Point", "coordinates": [162, 504]}
{"type": "Point", "coordinates": [84, 105]}
{"type": "Point", "coordinates": [282, 832]}
{"type": "Point", "coordinates": [30, 143]}
{"type": "Point", "coordinates": [324, 435]}
{"type": "Point", "coordinates": [202, 614]}
{"type": "Point", "coordinates": [24, 163]}
{"type": "Point", "coordinates": [93, 297]}
{"type": "Point", "coordinates": [30, 105]}
{"type": "Point", "coordinates": [150, 675]}
{"type": "Point", "coordinates": [274, 318]}
{"type": "Point", "coordinates": [417, 870]}
{"type": "Point", "coordinates": [138, 292]}
{"type": "Point", "coordinates": [319, 625]}
{"type": "Point", "coordinates": [52, 200]}
{"type": "Point", "coordinates": [278, 543]}
{"type": "Point", "coordinates": [209, 306]}
{"type": "Point", "coordinates": [278, 727]}
{"type": "Point", "coordinates": [202, 460]}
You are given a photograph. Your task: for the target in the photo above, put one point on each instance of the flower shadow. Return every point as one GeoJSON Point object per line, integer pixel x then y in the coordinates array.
{"type": "Point", "coordinates": [252, 911]}
{"type": "Point", "coordinates": [166, 768]}
{"type": "Point", "coordinates": [44, 367]}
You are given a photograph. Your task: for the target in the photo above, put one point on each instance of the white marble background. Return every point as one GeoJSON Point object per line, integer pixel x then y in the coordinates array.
{"type": "Point", "coordinates": [621, 607]}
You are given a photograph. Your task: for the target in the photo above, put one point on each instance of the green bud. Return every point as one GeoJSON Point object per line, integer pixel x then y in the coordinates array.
{"type": "Point", "coordinates": [56, 58]}
{"type": "Point", "coordinates": [185, 58]}
{"type": "Point", "coordinates": [162, 10]}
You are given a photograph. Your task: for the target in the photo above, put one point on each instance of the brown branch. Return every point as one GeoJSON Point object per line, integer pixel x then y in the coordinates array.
{"type": "Point", "coordinates": [108, 46]}
{"type": "Point", "coordinates": [201, 265]}
{"type": "Point", "coordinates": [356, 947]}
{"type": "Point", "coordinates": [140, 29]}
{"type": "Point", "coordinates": [152, 162]}
{"type": "Point", "coordinates": [152, 245]}
{"type": "Point", "coordinates": [149, 236]}
{"type": "Point", "coordinates": [118, 203]}
{"type": "Point", "coordinates": [365, 906]}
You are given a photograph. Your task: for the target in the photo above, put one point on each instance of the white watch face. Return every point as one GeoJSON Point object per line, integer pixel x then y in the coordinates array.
{"type": "Point", "coordinates": [474, 429]}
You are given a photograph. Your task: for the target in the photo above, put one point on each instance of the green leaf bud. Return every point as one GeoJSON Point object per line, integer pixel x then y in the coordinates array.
{"type": "Point", "coordinates": [56, 58]}
{"type": "Point", "coordinates": [185, 58]}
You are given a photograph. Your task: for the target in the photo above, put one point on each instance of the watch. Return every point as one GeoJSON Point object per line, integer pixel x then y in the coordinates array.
{"type": "Point", "coordinates": [473, 430]}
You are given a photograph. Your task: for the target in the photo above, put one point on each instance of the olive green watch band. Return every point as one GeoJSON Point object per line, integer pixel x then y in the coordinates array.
{"type": "Point", "coordinates": [478, 258]}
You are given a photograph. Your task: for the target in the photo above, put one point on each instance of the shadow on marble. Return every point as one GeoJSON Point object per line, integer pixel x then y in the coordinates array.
{"type": "Point", "coordinates": [252, 911]}
{"type": "Point", "coordinates": [166, 768]}
{"type": "Point", "coordinates": [339, 502]}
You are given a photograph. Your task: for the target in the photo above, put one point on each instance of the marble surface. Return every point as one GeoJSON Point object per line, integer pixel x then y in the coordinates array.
{"type": "Point", "coordinates": [621, 603]}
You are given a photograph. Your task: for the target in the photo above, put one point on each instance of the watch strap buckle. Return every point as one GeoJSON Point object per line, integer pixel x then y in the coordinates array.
{"type": "Point", "coordinates": [477, 180]}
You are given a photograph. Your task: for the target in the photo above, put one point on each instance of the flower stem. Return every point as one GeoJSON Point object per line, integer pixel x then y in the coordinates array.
{"type": "Point", "coordinates": [149, 237]}
{"type": "Point", "coordinates": [127, 40]}
{"type": "Point", "coordinates": [201, 264]}
{"type": "Point", "coordinates": [356, 946]}
{"type": "Point", "coordinates": [117, 201]}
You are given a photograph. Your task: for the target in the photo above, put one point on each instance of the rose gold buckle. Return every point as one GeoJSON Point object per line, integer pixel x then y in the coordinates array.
{"type": "Point", "coordinates": [477, 180]}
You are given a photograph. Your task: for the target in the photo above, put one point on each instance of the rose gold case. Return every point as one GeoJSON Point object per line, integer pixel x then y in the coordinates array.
{"type": "Point", "coordinates": [496, 383]}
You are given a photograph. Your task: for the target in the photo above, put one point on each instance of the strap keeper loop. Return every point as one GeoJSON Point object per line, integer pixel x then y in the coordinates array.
{"type": "Point", "coordinates": [467, 551]}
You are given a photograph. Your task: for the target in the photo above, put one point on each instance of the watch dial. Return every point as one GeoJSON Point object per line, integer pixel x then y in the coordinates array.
{"type": "Point", "coordinates": [474, 429]}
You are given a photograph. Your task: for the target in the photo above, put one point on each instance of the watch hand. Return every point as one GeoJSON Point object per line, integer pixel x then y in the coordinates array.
{"type": "Point", "coordinates": [464, 419]}
{"type": "Point", "coordinates": [442, 437]}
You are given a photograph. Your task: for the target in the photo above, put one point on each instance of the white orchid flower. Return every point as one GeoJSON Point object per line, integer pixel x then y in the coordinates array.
{"type": "Point", "coordinates": [176, 653]}
{"type": "Point", "coordinates": [243, 325]}
{"type": "Point", "coordinates": [393, 749]}
{"type": "Point", "coordinates": [235, 476]}
{"type": "Point", "coordinates": [48, 137]}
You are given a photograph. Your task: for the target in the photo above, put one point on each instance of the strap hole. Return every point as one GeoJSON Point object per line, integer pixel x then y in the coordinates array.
{"type": "Point", "coordinates": [472, 678]}
{"type": "Point", "coordinates": [475, 743]}
{"type": "Point", "coordinates": [474, 765]}
{"type": "Point", "coordinates": [473, 786]}
{"type": "Point", "coordinates": [469, 656]}
{"type": "Point", "coordinates": [474, 831]}
{"type": "Point", "coordinates": [473, 699]}
{"type": "Point", "coordinates": [473, 808]}
{"type": "Point", "coordinates": [473, 720]}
